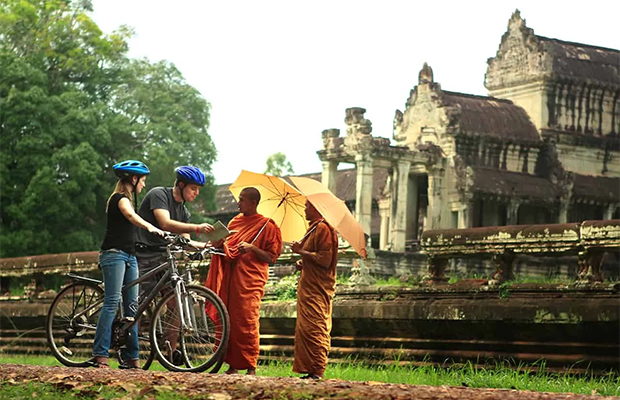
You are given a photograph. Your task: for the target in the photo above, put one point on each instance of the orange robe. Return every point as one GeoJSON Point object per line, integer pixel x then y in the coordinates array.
{"type": "Point", "coordinates": [314, 299]}
{"type": "Point", "coordinates": [239, 280]}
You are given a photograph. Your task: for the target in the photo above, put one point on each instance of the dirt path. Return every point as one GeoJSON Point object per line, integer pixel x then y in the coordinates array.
{"type": "Point", "coordinates": [226, 387]}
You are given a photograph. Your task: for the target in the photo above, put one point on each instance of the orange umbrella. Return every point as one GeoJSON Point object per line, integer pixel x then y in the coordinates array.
{"type": "Point", "coordinates": [278, 201]}
{"type": "Point", "coordinates": [334, 211]}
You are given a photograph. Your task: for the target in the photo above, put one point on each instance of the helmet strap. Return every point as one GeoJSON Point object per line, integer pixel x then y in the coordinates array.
{"type": "Point", "coordinates": [181, 188]}
{"type": "Point", "coordinates": [135, 198]}
{"type": "Point", "coordinates": [135, 193]}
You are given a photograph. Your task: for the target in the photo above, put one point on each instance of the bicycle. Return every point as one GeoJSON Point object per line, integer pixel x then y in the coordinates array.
{"type": "Point", "coordinates": [175, 318]}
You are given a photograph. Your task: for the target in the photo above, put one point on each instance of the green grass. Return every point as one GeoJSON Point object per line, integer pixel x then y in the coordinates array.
{"type": "Point", "coordinates": [494, 376]}
{"type": "Point", "coordinates": [501, 375]}
{"type": "Point", "coordinates": [44, 391]}
{"type": "Point", "coordinates": [50, 361]}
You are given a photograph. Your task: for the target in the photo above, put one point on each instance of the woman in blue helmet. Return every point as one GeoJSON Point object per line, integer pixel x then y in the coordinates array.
{"type": "Point", "coordinates": [118, 262]}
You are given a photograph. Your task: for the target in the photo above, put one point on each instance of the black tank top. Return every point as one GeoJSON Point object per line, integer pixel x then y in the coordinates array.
{"type": "Point", "coordinates": [119, 232]}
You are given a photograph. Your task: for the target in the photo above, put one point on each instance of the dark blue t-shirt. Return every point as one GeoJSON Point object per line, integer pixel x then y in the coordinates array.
{"type": "Point", "coordinates": [159, 198]}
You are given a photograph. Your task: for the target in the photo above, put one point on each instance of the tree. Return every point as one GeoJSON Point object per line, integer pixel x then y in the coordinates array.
{"type": "Point", "coordinates": [54, 63]}
{"type": "Point", "coordinates": [71, 105]}
{"type": "Point", "coordinates": [167, 120]}
{"type": "Point", "coordinates": [278, 165]}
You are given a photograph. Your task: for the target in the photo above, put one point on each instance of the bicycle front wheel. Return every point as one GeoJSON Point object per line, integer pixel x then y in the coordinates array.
{"type": "Point", "coordinates": [72, 321]}
{"type": "Point", "coordinates": [144, 340]}
{"type": "Point", "coordinates": [196, 340]}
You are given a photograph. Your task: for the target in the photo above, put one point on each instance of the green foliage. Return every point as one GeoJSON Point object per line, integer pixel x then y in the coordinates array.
{"type": "Point", "coordinates": [167, 120]}
{"type": "Point", "coordinates": [286, 288]}
{"type": "Point", "coordinates": [278, 165]}
{"type": "Point", "coordinates": [71, 105]}
{"type": "Point", "coordinates": [342, 280]}
{"type": "Point", "coordinates": [504, 290]}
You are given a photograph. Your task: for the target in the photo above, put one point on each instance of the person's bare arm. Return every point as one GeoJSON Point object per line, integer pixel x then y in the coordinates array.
{"type": "Point", "coordinates": [261, 254]}
{"type": "Point", "coordinates": [125, 206]}
{"type": "Point", "coordinates": [166, 223]}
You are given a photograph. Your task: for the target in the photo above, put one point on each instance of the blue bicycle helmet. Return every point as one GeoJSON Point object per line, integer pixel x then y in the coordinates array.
{"type": "Point", "coordinates": [191, 175]}
{"type": "Point", "coordinates": [125, 169]}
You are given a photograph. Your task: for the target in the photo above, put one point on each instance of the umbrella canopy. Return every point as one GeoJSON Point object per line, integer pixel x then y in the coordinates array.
{"type": "Point", "coordinates": [334, 211]}
{"type": "Point", "coordinates": [278, 201]}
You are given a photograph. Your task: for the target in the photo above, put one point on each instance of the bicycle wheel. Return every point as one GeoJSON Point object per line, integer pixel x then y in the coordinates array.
{"type": "Point", "coordinates": [144, 328]}
{"type": "Point", "coordinates": [224, 344]}
{"type": "Point", "coordinates": [72, 321]}
{"type": "Point", "coordinates": [199, 342]}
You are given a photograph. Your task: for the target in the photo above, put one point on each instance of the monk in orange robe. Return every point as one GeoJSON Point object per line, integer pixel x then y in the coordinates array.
{"type": "Point", "coordinates": [317, 284]}
{"type": "Point", "coordinates": [239, 278]}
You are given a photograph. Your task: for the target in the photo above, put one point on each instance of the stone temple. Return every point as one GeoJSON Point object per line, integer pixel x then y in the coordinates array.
{"type": "Point", "coordinates": [542, 148]}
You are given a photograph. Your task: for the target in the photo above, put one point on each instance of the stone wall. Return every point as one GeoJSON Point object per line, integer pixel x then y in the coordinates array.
{"type": "Point", "coordinates": [388, 264]}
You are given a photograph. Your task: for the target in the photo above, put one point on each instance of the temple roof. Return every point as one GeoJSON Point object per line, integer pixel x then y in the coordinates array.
{"type": "Point", "coordinates": [525, 186]}
{"type": "Point", "coordinates": [492, 117]}
{"type": "Point", "coordinates": [602, 188]}
{"type": "Point", "coordinates": [513, 184]}
{"type": "Point", "coordinates": [577, 61]}
{"type": "Point", "coordinates": [523, 57]}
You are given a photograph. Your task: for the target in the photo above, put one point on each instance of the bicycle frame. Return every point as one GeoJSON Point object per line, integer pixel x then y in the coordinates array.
{"type": "Point", "coordinates": [170, 277]}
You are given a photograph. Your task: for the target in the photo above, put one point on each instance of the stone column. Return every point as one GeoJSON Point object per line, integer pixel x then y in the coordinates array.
{"type": "Point", "coordinates": [565, 198]}
{"type": "Point", "coordinates": [512, 212]}
{"type": "Point", "coordinates": [400, 190]}
{"type": "Point", "coordinates": [609, 211]}
{"type": "Point", "coordinates": [412, 208]}
{"type": "Point", "coordinates": [433, 212]}
{"type": "Point", "coordinates": [462, 219]}
{"type": "Point", "coordinates": [363, 195]}
{"type": "Point", "coordinates": [563, 212]}
{"type": "Point", "coordinates": [469, 213]}
{"type": "Point", "coordinates": [384, 212]}
{"type": "Point", "coordinates": [328, 177]}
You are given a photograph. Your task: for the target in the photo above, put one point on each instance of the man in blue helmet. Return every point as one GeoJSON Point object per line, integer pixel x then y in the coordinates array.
{"type": "Point", "coordinates": [164, 207]}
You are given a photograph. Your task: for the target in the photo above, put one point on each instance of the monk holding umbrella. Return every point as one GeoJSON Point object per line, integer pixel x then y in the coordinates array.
{"type": "Point", "coordinates": [269, 211]}
{"type": "Point", "coordinates": [317, 284]}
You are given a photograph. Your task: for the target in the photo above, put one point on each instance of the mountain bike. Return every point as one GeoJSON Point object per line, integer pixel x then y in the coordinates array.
{"type": "Point", "coordinates": [186, 327]}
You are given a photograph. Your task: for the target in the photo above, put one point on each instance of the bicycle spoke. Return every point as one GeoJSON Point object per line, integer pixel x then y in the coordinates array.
{"type": "Point", "coordinates": [72, 321]}
{"type": "Point", "coordinates": [195, 341]}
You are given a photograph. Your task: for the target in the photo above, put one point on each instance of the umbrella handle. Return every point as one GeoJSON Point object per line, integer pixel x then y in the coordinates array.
{"type": "Point", "coordinates": [259, 232]}
{"type": "Point", "coordinates": [265, 224]}
{"type": "Point", "coordinates": [307, 233]}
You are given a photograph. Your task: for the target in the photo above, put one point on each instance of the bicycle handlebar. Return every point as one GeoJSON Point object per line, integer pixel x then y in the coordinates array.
{"type": "Point", "coordinates": [181, 241]}
{"type": "Point", "coordinates": [201, 255]}
{"type": "Point", "coordinates": [176, 239]}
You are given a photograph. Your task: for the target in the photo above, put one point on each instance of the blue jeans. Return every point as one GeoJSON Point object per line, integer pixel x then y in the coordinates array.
{"type": "Point", "coordinates": [118, 268]}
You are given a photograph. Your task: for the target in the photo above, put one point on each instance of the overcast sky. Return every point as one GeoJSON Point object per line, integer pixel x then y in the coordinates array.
{"type": "Point", "coordinates": [277, 73]}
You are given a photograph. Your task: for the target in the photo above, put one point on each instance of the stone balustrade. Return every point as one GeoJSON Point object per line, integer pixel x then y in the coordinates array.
{"type": "Point", "coordinates": [589, 240]}
{"type": "Point", "coordinates": [49, 264]}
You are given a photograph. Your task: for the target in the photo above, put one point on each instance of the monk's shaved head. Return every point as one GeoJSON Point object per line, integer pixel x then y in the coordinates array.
{"type": "Point", "coordinates": [252, 194]}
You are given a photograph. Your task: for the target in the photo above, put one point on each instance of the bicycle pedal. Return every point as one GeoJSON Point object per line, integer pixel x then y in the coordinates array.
{"type": "Point", "coordinates": [127, 319]}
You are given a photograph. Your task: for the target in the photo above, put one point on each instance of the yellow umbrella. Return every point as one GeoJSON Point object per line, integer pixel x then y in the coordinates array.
{"type": "Point", "coordinates": [278, 201]}
{"type": "Point", "coordinates": [334, 211]}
